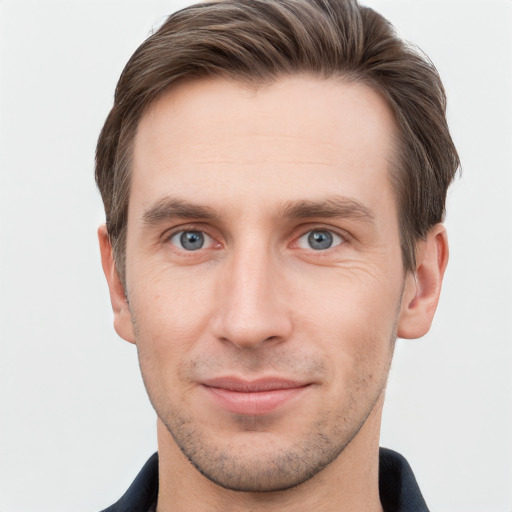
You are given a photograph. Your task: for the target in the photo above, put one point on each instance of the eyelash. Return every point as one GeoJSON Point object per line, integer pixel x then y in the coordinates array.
{"type": "Point", "coordinates": [342, 237]}
{"type": "Point", "coordinates": [167, 238]}
{"type": "Point", "coordinates": [182, 232]}
{"type": "Point", "coordinates": [336, 239]}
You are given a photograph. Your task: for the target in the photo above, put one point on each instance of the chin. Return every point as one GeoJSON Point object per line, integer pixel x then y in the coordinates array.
{"type": "Point", "coordinates": [256, 459]}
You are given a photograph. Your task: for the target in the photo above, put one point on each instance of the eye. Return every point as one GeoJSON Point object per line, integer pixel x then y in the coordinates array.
{"type": "Point", "coordinates": [319, 240]}
{"type": "Point", "coordinates": [190, 240]}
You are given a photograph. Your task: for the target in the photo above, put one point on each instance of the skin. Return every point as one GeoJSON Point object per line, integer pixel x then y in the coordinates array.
{"type": "Point", "coordinates": [256, 171]}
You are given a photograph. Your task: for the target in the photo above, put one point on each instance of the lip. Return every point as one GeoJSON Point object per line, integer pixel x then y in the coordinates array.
{"type": "Point", "coordinates": [256, 397]}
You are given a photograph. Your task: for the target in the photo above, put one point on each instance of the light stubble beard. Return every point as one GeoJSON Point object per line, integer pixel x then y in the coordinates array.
{"type": "Point", "coordinates": [244, 467]}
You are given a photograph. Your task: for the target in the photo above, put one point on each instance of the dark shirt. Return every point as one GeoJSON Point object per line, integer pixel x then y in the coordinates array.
{"type": "Point", "coordinates": [398, 489]}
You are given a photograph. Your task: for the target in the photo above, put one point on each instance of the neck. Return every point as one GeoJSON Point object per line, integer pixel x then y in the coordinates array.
{"type": "Point", "coordinates": [349, 483]}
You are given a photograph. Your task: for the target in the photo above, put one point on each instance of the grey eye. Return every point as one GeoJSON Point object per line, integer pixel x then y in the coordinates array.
{"type": "Point", "coordinates": [319, 240]}
{"type": "Point", "coordinates": [189, 240]}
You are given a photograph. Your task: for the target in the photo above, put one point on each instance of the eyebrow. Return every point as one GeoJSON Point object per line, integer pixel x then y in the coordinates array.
{"type": "Point", "coordinates": [169, 208]}
{"type": "Point", "coordinates": [331, 207]}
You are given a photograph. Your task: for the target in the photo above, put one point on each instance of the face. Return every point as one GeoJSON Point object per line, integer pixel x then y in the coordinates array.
{"type": "Point", "coordinates": [264, 272]}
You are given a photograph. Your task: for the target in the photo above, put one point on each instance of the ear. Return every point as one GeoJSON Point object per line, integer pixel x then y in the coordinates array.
{"type": "Point", "coordinates": [122, 314]}
{"type": "Point", "coordinates": [423, 287]}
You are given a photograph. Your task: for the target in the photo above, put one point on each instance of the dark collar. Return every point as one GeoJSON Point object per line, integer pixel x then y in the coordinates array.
{"type": "Point", "coordinates": [398, 489]}
{"type": "Point", "coordinates": [142, 494]}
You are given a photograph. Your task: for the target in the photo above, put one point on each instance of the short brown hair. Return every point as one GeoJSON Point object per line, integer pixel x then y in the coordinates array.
{"type": "Point", "coordinates": [258, 41]}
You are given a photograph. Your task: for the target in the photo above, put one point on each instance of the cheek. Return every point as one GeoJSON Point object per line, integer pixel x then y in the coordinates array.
{"type": "Point", "coordinates": [360, 298]}
{"type": "Point", "coordinates": [171, 301]}
{"type": "Point", "coordinates": [352, 316]}
{"type": "Point", "coordinates": [170, 315]}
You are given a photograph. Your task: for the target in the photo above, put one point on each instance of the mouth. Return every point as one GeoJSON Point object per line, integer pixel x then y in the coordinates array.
{"type": "Point", "coordinates": [257, 397]}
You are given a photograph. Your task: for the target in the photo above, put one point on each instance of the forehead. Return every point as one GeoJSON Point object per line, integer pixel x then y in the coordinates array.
{"type": "Point", "coordinates": [229, 144]}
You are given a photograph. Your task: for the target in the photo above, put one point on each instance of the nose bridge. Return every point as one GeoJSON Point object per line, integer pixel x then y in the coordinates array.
{"type": "Point", "coordinates": [251, 307]}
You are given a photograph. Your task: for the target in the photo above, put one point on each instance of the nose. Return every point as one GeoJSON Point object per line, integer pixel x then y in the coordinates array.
{"type": "Point", "coordinates": [251, 306]}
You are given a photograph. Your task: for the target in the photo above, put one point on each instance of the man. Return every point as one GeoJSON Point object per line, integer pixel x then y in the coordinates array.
{"type": "Point", "coordinates": [274, 176]}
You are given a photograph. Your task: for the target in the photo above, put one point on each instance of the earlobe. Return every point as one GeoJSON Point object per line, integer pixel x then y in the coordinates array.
{"type": "Point", "coordinates": [423, 287]}
{"type": "Point", "coordinates": [122, 314]}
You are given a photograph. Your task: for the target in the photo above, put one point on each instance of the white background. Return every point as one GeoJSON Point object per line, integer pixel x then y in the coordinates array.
{"type": "Point", "coordinates": [75, 423]}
